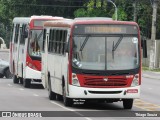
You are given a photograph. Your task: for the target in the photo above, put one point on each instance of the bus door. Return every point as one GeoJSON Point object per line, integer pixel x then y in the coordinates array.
{"type": "Point", "coordinates": [22, 50]}
{"type": "Point", "coordinates": [45, 60]}
{"type": "Point", "coordinates": [16, 47]}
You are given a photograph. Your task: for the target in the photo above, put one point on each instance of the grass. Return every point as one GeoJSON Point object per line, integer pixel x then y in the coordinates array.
{"type": "Point", "coordinates": [145, 68]}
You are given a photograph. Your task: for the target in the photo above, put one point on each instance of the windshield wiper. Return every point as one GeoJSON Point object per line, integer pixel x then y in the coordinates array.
{"type": "Point", "coordinates": [84, 43]}
{"type": "Point", "coordinates": [117, 43]}
{"type": "Point", "coordinates": [114, 47]}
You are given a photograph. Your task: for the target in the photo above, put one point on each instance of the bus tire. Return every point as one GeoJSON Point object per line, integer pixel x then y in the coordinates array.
{"type": "Point", "coordinates": [59, 97]}
{"type": "Point", "coordinates": [15, 79]}
{"type": "Point", "coordinates": [51, 94]}
{"type": "Point", "coordinates": [127, 103]}
{"type": "Point", "coordinates": [21, 79]}
{"type": "Point", "coordinates": [27, 83]}
{"type": "Point", "coordinates": [66, 101]}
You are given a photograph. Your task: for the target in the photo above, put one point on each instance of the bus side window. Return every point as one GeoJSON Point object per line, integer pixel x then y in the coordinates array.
{"type": "Point", "coordinates": [65, 43]}
{"type": "Point", "coordinates": [60, 41]}
{"type": "Point", "coordinates": [50, 38]}
{"type": "Point", "coordinates": [12, 30]}
{"type": "Point", "coordinates": [44, 39]}
{"type": "Point", "coordinates": [54, 40]}
{"type": "Point", "coordinates": [22, 33]}
{"type": "Point", "coordinates": [16, 33]}
{"type": "Point", "coordinates": [25, 31]}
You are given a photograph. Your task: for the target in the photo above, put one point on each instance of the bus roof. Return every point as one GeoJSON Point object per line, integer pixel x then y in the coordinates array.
{"type": "Point", "coordinates": [21, 20]}
{"type": "Point", "coordinates": [70, 23]}
{"type": "Point", "coordinates": [59, 23]}
{"type": "Point", "coordinates": [28, 19]}
{"type": "Point", "coordinates": [93, 18]}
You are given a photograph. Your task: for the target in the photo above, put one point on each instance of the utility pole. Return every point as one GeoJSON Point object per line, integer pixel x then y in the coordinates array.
{"type": "Point", "coordinates": [116, 16]}
{"type": "Point", "coordinates": [135, 11]}
{"type": "Point", "coordinates": [153, 63]}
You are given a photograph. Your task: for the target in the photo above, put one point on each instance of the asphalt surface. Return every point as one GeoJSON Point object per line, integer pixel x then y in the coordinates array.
{"type": "Point", "coordinates": [14, 97]}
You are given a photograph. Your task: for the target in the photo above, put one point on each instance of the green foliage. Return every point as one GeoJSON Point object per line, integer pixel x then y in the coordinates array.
{"type": "Point", "coordinates": [16, 8]}
{"type": "Point", "coordinates": [125, 13]}
{"type": "Point", "coordinates": [80, 12]}
{"type": "Point", "coordinates": [92, 11]}
{"type": "Point", "coordinates": [144, 68]}
{"type": "Point", "coordinates": [107, 10]}
{"type": "Point", "coordinates": [121, 15]}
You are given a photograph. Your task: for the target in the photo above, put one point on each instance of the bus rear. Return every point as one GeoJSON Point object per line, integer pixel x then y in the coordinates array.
{"type": "Point", "coordinates": [105, 61]}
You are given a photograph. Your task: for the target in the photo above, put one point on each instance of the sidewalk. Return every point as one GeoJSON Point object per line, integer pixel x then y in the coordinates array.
{"type": "Point", "coordinates": [150, 74]}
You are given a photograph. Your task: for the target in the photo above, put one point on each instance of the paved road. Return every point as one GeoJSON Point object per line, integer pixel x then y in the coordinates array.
{"type": "Point", "coordinates": [13, 97]}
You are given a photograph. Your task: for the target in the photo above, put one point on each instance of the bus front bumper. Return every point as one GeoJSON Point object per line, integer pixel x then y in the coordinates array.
{"type": "Point", "coordinates": [103, 93]}
{"type": "Point", "coordinates": [32, 74]}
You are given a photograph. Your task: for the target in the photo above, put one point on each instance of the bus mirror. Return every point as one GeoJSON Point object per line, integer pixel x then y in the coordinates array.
{"type": "Point", "coordinates": [66, 47]}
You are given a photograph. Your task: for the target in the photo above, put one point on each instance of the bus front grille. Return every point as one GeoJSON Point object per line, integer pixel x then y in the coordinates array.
{"type": "Point", "coordinates": [102, 82]}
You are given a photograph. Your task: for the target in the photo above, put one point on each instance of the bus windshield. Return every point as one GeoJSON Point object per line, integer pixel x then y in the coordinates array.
{"type": "Point", "coordinates": [35, 43]}
{"type": "Point", "coordinates": [91, 52]}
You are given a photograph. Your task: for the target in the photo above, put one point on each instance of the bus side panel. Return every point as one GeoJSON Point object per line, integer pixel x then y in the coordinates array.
{"type": "Point", "coordinates": [44, 71]}
{"type": "Point", "coordinates": [57, 83]}
{"type": "Point", "coordinates": [20, 60]}
{"type": "Point", "coordinates": [55, 70]}
{"type": "Point", "coordinates": [12, 49]}
{"type": "Point", "coordinates": [65, 69]}
{"type": "Point", "coordinates": [16, 54]}
{"type": "Point", "coordinates": [25, 52]}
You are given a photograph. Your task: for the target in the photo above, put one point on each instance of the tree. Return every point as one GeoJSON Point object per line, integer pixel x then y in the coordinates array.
{"type": "Point", "coordinates": [92, 10]}
{"type": "Point", "coordinates": [101, 10]}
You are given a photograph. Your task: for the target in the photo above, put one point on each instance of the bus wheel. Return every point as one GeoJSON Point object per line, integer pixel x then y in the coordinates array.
{"type": "Point", "coordinates": [15, 79]}
{"type": "Point", "coordinates": [51, 94]}
{"type": "Point", "coordinates": [127, 103]}
{"type": "Point", "coordinates": [66, 101]}
{"type": "Point", "coordinates": [27, 83]}
{"type": "Point", "coordinates": [59, 97]}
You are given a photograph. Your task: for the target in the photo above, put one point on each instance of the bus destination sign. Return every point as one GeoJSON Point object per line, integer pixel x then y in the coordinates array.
{"type": "Point", "coordinates": [105, 29]}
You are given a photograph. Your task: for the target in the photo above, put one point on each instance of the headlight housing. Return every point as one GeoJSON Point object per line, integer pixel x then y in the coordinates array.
{"type": "Point", "coordinates": [135, 81]}
{"type": "Point", "coordinates": [75, 80]}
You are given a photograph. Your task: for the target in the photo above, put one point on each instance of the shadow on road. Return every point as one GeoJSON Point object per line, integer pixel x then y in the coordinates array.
{"type": "Point", "coordinates": [36, 86]}
{"type": "Point", "coordinates": [94, 105]}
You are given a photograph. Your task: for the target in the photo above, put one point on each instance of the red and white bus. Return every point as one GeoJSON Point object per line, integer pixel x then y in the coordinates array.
{"type": "Point", "coordinates": [92, 59]}
{"type": "Point", "coordinates": [25, 48]}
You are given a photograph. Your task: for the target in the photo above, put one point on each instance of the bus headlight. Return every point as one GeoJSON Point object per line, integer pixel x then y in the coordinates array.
{"type": "Point", "coordinates": [135, 81]}
{"type": "Point", "coordinates": [75, 80]}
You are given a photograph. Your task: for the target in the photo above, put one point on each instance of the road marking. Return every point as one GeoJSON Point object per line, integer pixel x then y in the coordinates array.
{"type": "Point", "coordinates": [88, 118]}
{"type": "Point", "coordinates": [9, 85]}
{"type": "Point", "coordinates": [36, 95]}
{"type": "Point", "coordinates": [21, 89]}
{"type": "Point", "coordinates": [70, 110]}
{"type": "Point", "coordinates": [145, 105]}
{"type": "Point", "coordinates": [61, 106]}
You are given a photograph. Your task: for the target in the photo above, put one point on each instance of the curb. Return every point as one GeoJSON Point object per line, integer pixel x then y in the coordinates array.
{"type": "Point", "coordinates": [149, 76]}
